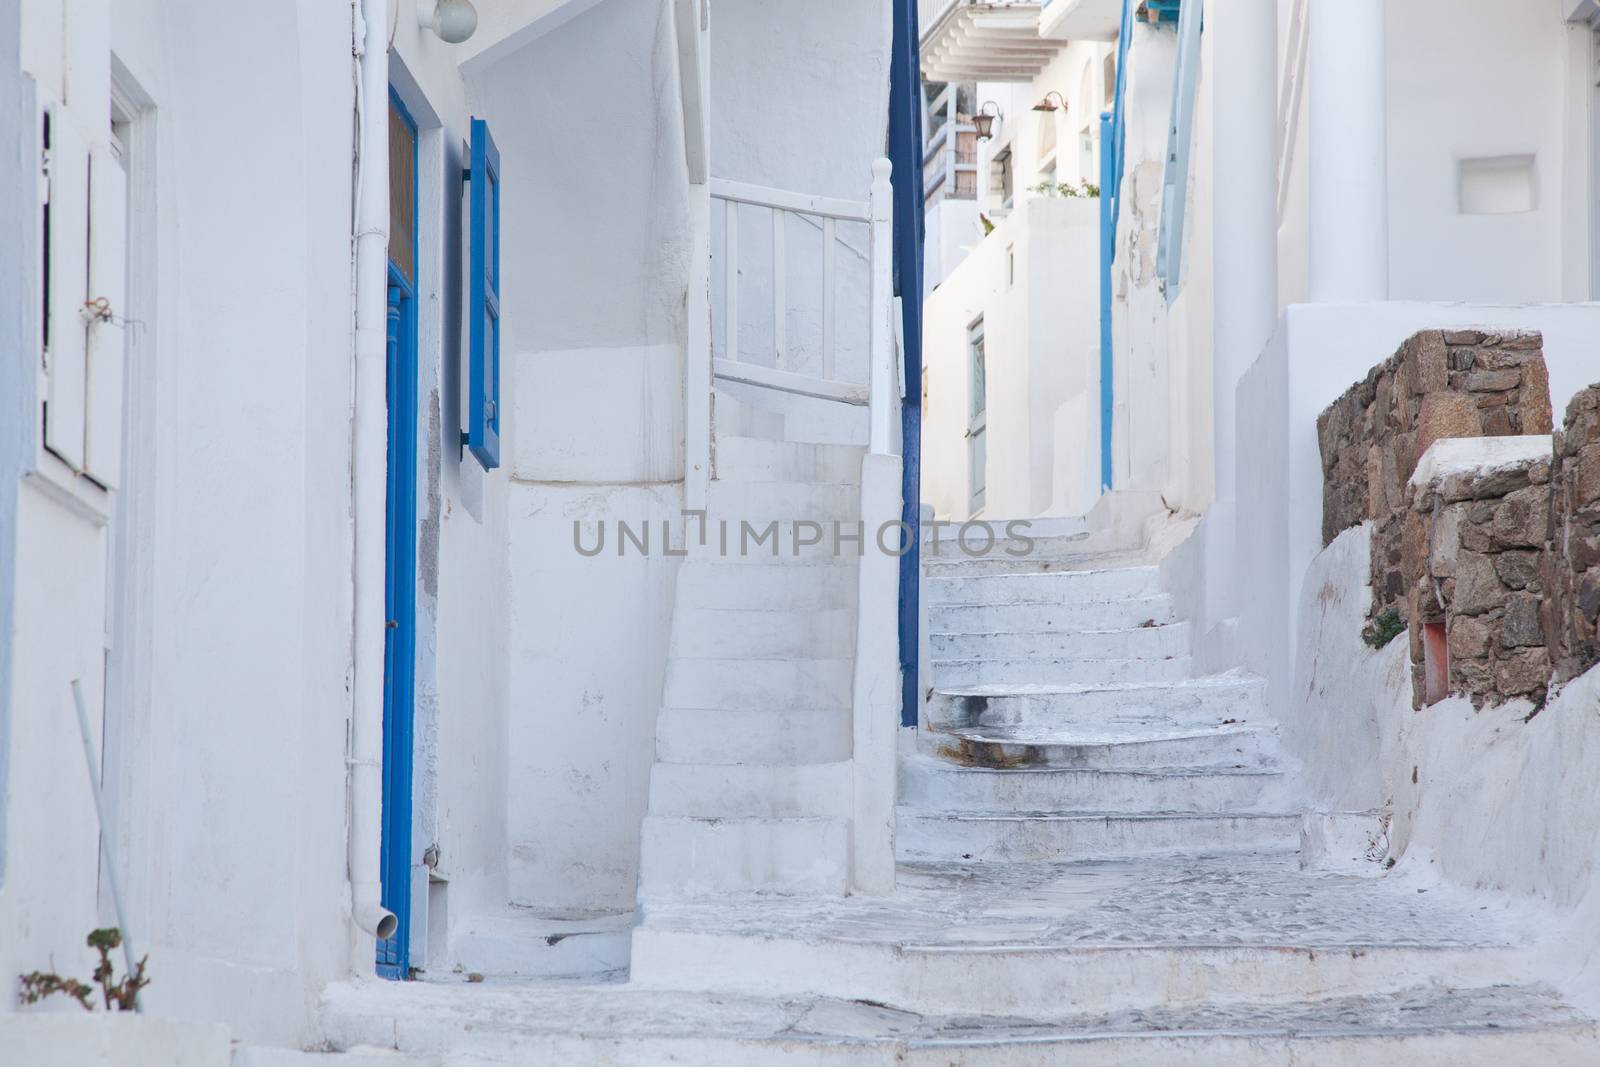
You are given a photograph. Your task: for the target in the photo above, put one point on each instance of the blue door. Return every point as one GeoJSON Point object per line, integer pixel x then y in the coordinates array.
{"type": "Point", "coordinates": [400, 585]}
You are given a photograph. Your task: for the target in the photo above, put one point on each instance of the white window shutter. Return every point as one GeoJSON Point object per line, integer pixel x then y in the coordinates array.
{"type": "Point", "coordinates": [108, 326]}
{"type": "Point", "coordinates": [69, 268]}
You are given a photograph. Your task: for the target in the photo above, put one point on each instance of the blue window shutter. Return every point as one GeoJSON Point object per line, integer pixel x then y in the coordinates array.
{"type": "Point", "coordinates": [483, 299]}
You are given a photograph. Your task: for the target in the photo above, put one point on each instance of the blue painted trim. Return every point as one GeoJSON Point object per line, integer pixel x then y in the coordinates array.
{"type": "Point", "coordinates": [1180, 141]}
{"type": "Point", "coordinates": [1113, 142]}
{"type": "Point", "coordinates": [905, 152]}
{"type": "Point", "coordinates": [483, 299]}
{"type": "Point", "coordinates": [400, 600]}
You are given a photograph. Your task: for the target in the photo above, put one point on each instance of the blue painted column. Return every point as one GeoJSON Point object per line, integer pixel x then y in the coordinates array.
{"type": "Point", "coordinates": [905, 151]}
{"type": "Point", "coordinates": [1108, 245]}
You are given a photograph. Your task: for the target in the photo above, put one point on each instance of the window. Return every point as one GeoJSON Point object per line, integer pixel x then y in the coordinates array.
{"type": "Point", "coordinates": [1000, 179]}
{"type": "Point", "coordinates": [482, 433]}
{"type": "Point", "coordinates": [1011, 265]}
{"type": "Point", "coordinates": [977, 416]}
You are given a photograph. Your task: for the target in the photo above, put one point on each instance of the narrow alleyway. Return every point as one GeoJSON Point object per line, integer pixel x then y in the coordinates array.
{"type": "Point", "coordinates": [1101, 856]}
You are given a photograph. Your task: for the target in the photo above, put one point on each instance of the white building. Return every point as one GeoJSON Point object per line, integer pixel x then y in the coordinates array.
{"type": "Point", "coordinates": [455, 487]}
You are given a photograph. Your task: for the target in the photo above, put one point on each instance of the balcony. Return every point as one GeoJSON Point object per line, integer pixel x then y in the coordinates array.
{"type": "Point", "coordinates": [1081, 20]}
{"type": "Point", "coordinates": [982, 40]}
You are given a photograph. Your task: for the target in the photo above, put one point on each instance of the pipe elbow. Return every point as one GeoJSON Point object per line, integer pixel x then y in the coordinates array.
{"type": "Point", "coordinates": [376, 919]}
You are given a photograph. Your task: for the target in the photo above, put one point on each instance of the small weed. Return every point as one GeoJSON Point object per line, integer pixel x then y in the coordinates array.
{"type": "Point", "coordinates": [1385, 628]}
{"type": "Point", "coordinates": [118, 995]}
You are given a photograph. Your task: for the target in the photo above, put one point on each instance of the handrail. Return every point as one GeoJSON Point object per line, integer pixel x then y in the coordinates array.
{"type": "Point", "coordinates": [785, 200]}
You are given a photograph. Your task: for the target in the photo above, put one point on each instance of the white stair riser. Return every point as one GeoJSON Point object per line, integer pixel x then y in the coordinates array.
{"type": "Point", "coordinates": [786, 501]}
{"type": "Point", "coordinates": [933, 785]}
{"type": "Point", "coordinates": [1041, 560]}
{"type": "Point", "coordinates": [770, 539]}
{"type": "Point", "coordinates": [724, 584]}
{"type": "Point", "coordinates": [1059, 587]}
{"type": "Point", "coordinates": [775, 684]}
{"type": "Point", "coordinates": [1173, 702]}
{"type": "Point", "coordinates": [751, 790]}
{"type": "Point", "coordinates": [1042, 982]}
{"type": "Point", "coordinates": [715, 735]}
{"type": "Point", "coordinates": [753, 459]}
{"type": "Point", "coordinates": [930, 836]}
{"type": "Point", "coordinates": [576, 955]}
{"type": "Point", "coordinates": [1049, 618]}
{"type": "Point", "coordinates": [1237, 748]}
{"type": "Point", "coordinates": [693, 857]}
{"type": "Point", "coordinates": [711, 633]}
{"type": "Point", "coordinates": [1058, 671]}
{"type": "Point", "coordinates": [1139, 642]}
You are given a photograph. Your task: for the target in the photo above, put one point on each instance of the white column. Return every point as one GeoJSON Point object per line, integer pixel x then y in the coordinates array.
{"type": "Point", "coordinates": [1348, 152]}
{"type": "Point", "coordinates": [1243, 70]}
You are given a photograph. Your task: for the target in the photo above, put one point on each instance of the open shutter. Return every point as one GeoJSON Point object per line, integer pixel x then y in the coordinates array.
{"type": "Point", "coordinates": [483, 299]}
{"type": "Point", "coordinates": [67, 242]}
{"type": "Point", "coordinates": [108, 306]}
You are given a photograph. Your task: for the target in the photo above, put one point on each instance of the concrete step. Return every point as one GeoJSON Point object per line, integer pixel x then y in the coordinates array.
{"type": "Point", "coordinates": [1137, 642]}
{"type": "Point", "coordinates": [1057, 670]}
{"type": "Point", "coordinates": [757, 459]}
{"type": "Point", "coordinates": [775, 684]}
{"type": "Point", "coordinates": [751, 790]}
{"type": "Point", "coordinates": [1420, 1025]}
{"type": "Point", "coordinates": [762, 633]}
{"type": "Point", "coordinates": [1051, 587]}
{"type": "Point", "coordinates": [520, 943]}
{"type": "Point", "coordinates": [931, 784]}
{"type": "Point", "coordinates": [922, 835]}
{"type": "Point", "coordinates": [786, 501]}
{"type": "Point", "coordinates": [1107, 746]}
{"type": "Point", "coordinates": [1051, 618]}
{"type": "Point", "coordinates": [1048, 556]}
{"type": "Point", "coordinates": [765, 540]}
{"type": "Point", "coordinates": [1210, 700]}
{"type": "Point", "coordinates": [265, 1056]}
{"type": "Point", "coordinates": [724, 736]}
{"type": "Point", "coordinates": [691, 857]}
{"type": "Point", "coordinates": [731, 583]}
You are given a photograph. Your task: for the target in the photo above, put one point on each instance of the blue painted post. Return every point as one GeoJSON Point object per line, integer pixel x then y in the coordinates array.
{"type": "Point", "coordinates": [905, 152]}
{"type": "Point", "coordinates": [1108, 245]}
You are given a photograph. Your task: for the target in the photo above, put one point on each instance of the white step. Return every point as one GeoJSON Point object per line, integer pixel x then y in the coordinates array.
{"type": "Point", "coordinates": [1044, 557]}
{"type": "Point", "coordinates": [688, 857]}
{"type": "Point", "coordinates": [1051, 587]}
{"type": "Point", "coordinates": [1137, 642]}
{"type": "Point", "coordinates": [773, 684]}
{"type": "Point", "coordinates": [783, 500]}
{"type": "Point", "coordinates": [762, 633]}
{"type": "Point", "coordinates": [758, 459]}
{"type": "Point", "coordinates": [931, 784]}
{"type": "Point", "coordinates": [519, 943]}
{"type": "Point", "coordinates": [751, 790]}
{"type": "Point", "coordinates": [1103, 746]}
{"type": "Point", "coordinates": [719, 735]}
{"type": "Point", "coordinates": [1210, 700]}
{"type": "Point", "coordinates": [1060, 837]}
{"type": "Point", "coordinates": [766, 540]}
{"type": "Point", "coordinates": [717, 583]}
{"type": "Point", "coordinates": [360, 1056]}
{"type": "Point", "coordinates": [1057, 670]}
{"type": "Point", "coordinates": [1050, 618]}
{"type": "Point", "coordinates": [491, 1025]}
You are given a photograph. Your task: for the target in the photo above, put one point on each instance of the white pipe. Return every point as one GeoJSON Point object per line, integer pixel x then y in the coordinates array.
{"type": "Point", "coordinates": [108, 841]}
{"type": "Point", "coordinates": [369, 466]}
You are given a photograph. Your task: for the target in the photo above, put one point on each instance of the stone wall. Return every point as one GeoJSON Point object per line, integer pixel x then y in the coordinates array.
{"type": "Point", "coordinates": [1573, 560]}
{"type": "Point", "coordinates": [1439, 384]}
{"type": "Point", "coordinates": [1475, 562]}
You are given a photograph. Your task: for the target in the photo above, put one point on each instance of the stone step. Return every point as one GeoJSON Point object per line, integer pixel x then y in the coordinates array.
{"type": "Point", "coordinates": [691, 857]}
{"type": "Point", "coordinates": [775, 684]}
{"type": "Point", "coordinates": [724, 736]}
{"type": "Point", "coordinates": [751, 790]}
{"type": "Point", "coordinates": [931, 784]}
{"type": "Point", "coordinates": [1052, 587]}
{"type": "Point", "coordinates": [765, 540]}
{"type": "Point", "coordinates": [729, 583]}
{"type": "Point", "coordinates": [922, 835]}
{"type": "Point", "coordinates": [1137, 642]}
{"type": "Point", "coordinates": [1051, 618]}
{"type": "Point", "coordinates": [520, 943]}
{"type": "Point", "coordinates": [762, 633]}
{"type": "Point", "coordinates": [1420, 1025]}
{"type": "Point", "coordinates": [1057, 670]}
{"type": "Point", "coordinates": [1211, 700]}
{"type": "Point", "coordinates": [756, 459]}
{"type": "Point", "coordinates": [1047, 556]}
{"type": "Point", "coordinates": [1108, 746]}
{"type": "Point", "coordinates": [787, 501]}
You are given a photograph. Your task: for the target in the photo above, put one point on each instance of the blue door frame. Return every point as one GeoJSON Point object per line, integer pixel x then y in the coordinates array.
{"type": "Point", "coordinates": [400, 604]}
{"type": "Point", "coordinates": [905, 152]}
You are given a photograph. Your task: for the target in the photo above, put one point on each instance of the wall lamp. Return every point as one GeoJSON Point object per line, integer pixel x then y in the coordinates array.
{"type": "Point", "coordinates": [453, 20]}
{"type": "Point", "coordinates": [1046, 105]}
{"type": "Point", "coordinates": [983, 121]}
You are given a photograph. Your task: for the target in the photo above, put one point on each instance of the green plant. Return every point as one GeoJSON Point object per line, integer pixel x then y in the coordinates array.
{"type": "Point", "coordinates": [1054, 189]}
{"type": "Point", "coordinates": [118, 995]}
{"type": "Point", "coordinates": [1383, 629]}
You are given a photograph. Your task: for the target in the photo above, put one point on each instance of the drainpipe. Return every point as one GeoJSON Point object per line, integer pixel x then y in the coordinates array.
{"type": "Point", "coordinates": [369, 464]}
